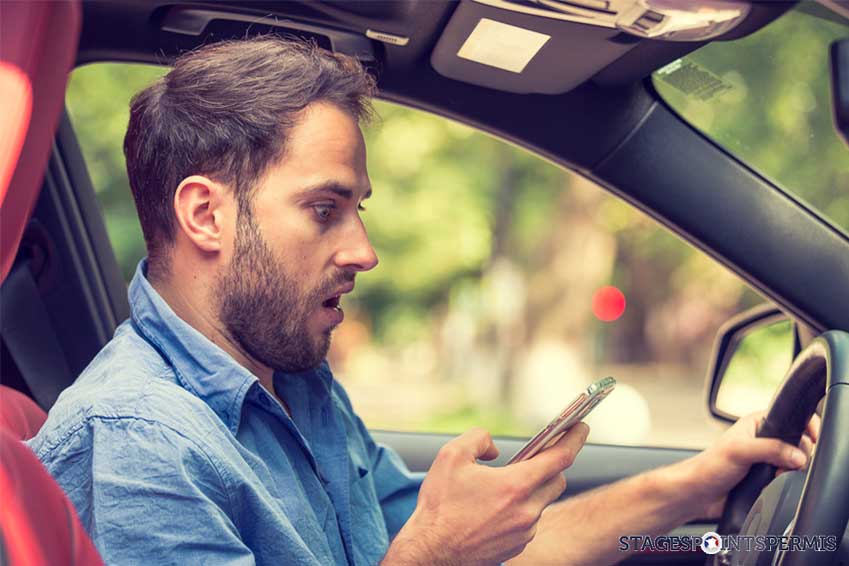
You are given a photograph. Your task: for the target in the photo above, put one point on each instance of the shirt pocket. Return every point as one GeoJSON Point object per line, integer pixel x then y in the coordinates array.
{"type": "Point", "coordinates": [371, 539]}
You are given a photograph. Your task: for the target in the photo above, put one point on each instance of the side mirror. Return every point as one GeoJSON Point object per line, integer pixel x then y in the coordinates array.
{"type": "Point", "coordinates": [751, 355]}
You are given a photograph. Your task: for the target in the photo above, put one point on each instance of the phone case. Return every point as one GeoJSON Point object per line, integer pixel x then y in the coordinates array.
{"type": "Point", "coordinates": [572, 414]}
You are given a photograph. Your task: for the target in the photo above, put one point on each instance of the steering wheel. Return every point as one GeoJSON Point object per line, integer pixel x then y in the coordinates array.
{"type": "Point", "coordinates": [762, 504]}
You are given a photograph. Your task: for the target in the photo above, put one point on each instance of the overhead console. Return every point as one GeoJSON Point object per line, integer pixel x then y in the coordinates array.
{"type": "Point", "coordinates": [670, 20]}
{"type": "Point", "coordinates": [552, 46]}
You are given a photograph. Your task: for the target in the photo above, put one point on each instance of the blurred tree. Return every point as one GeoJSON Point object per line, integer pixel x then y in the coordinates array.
{"type": "Point", "coordinates": [98, 101]}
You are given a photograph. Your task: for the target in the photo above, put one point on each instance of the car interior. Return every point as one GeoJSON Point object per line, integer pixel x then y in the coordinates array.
{"type": "Point", "coordinates": [568, 80]}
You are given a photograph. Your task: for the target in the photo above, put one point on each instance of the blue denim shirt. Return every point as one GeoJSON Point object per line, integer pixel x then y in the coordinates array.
{"type": "Point", "coordinates": [173, 453]}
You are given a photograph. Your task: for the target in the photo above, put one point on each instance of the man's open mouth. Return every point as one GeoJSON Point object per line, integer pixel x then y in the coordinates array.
{"type": "Point", "coordinates": [332, 303]}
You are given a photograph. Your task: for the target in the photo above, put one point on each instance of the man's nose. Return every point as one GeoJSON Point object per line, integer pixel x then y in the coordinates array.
{"type": "Point", "coordinates": [356, 251]}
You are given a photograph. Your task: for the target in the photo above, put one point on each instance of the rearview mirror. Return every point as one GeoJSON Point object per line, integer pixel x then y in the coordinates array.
{"type": "Point", "coordinates": [751, 355]}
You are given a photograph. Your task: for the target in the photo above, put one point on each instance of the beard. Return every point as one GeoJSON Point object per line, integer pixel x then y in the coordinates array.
{"type": "Point", "coordinates": [262, 306]}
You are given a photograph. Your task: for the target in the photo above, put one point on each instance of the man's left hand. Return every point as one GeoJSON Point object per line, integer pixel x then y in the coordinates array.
{"type": "Point", "coordinates": [714, 472]}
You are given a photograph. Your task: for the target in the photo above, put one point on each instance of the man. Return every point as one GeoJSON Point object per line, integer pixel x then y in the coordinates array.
{"type": "Point", "coordinates": [210, 428]}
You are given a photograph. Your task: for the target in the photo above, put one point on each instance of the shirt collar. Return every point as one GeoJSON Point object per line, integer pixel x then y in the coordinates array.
{"type": "Point", "coordinates": [312, 385]}
{"type": "Point", "coordinates": [201, 367]}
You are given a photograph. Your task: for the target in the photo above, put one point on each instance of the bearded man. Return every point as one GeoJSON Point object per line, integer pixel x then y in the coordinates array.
{"type": "Point", "coordinates": [210, 429]}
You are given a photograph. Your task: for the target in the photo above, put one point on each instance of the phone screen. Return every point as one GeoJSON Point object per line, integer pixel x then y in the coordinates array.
{"type": "Point", "coordinates": [572, 414]}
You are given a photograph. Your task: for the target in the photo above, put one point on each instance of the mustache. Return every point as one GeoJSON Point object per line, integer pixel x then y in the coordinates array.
{"type": "Point", "coordinates": [326, 289]}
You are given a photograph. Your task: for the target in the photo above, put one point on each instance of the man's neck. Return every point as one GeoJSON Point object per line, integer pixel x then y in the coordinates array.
{"type": "Point", "coordinates": [205, 322]}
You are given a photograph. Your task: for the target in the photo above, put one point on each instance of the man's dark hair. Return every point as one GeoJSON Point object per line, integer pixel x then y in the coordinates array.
{"type": "Point", "coordinates": [224, 111]}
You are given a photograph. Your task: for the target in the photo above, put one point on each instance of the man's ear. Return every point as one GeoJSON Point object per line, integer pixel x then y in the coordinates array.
{"type": "Point", "coordinates": [200, 204]}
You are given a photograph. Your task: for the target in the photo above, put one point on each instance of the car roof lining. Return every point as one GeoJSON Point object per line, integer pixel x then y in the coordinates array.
{"type": "Point", "coordinates": [422, 21]}
{"type": "Point", "coordinates": [588, 128]}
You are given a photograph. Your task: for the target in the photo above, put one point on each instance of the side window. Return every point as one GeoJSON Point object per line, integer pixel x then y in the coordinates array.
{"type": "Point", "coordinates": [505, 284]}
{"type": "Point", "coordinates": [98, 101]}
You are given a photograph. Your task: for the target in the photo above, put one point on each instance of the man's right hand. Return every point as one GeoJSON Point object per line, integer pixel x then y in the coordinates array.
{"type": "Point", "coordinates": [469, 513]}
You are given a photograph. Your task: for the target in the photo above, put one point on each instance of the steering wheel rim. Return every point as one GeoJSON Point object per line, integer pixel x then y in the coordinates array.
{"type": "Point", "coordinates": [821, 369]}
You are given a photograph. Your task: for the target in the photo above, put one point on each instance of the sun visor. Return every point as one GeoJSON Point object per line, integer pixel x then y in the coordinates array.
{"type": "Point", "coordinates": [552, 46]}
{"type": "Point", "coordinates": [523, 53]}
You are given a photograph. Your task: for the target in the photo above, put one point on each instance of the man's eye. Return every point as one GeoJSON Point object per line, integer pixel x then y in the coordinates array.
{"type": "Point", "coordinates": [361, 207]}
{"type": "Point", "coordinates": [323, 211]}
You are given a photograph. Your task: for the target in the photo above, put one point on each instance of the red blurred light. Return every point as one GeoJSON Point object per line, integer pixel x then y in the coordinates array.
{"type": "Point", "coordinates": [608, 303]}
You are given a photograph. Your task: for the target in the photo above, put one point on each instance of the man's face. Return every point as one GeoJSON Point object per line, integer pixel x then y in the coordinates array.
{"type": "Point", "coordinates": [301, 244]}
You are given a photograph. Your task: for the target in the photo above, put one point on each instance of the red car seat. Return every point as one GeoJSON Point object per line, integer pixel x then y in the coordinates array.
{"type": "Point", "coordinates": [38, 41]}
{"type": "Point", "coordinates": [38, 524]}
{"type": "Point", "coordinates": [20, 417]}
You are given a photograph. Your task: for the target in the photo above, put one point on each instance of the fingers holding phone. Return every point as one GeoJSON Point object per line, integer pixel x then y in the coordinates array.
{"type": "Point", "coordinates": [545, 469]}
{"type": "Point", "coordinates": [471, 513]}
{"type": "Point", "coordinates": [562, 453]}
{"type": "Point", "coordinates": [573, 413]}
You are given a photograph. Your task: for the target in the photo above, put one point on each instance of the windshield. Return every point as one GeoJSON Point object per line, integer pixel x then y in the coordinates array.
{"type": "Point", "coordinates": [766, 98]}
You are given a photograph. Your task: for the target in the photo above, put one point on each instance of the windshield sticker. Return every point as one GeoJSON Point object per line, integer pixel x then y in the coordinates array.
{"type": "Point", "coordinates": [693, 79]}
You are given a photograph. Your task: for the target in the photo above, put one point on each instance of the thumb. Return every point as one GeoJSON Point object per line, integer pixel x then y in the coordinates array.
{"type": "Point", "coordinates": [477, 444]}
{"type": "Point", "coordinates": [771, 451]}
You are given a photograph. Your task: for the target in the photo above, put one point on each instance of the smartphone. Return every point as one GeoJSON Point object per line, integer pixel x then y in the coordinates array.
{"type": "Point", "coordinates": [572, 414]}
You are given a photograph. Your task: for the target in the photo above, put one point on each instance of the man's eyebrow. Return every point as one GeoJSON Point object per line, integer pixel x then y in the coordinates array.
{"type": "Point", "coordinates": [331, 187]}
